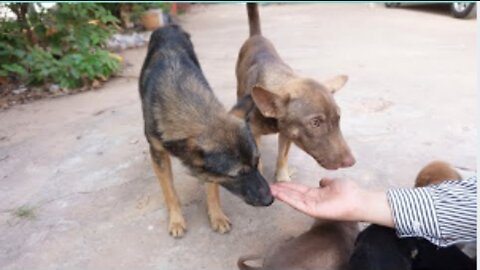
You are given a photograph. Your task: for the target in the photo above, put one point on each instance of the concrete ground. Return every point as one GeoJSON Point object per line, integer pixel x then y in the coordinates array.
{"type": "Point", "coordinates": [77, 189]}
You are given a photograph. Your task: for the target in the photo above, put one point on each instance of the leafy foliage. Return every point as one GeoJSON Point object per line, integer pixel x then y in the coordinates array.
{"type": "Point", "coordinates": [64, 45]}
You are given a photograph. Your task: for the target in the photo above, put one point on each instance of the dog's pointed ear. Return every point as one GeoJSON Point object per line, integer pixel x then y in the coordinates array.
{"type": "Point", "coordinates": [243, 107]}
{"type": "Point", "coordinates": [270, 104]}
{"type": "Point", "coordinates": [334, 84]}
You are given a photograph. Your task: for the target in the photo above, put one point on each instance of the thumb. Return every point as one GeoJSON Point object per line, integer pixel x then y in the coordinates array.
{"type": "Point", "coordinates": [324, 182]}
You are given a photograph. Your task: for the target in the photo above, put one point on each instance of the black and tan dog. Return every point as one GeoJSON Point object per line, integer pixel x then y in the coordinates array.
{"type": "Point", "coordinates": [301, 110]}
{"type": "Point", "coordinates": [183, 118]}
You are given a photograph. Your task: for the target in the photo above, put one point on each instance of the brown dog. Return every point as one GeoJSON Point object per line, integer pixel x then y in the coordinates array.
{"type": "Point", "coordinates": [327, 245]}
{"type": "Point", "coordinates": [183, 118]}
{"type": "Point", "coordinates": [300, 109]}
{"type": "Point", "coordinates": [436, 172]}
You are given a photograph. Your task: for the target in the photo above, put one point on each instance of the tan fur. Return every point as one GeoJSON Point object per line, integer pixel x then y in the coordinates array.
{"type": "Point", "coordinates": [282, 164]}
{"type": "Point", "coordinates": [219, 221]}
{"type": "Point", "coordinates": [163, 169]}
{"type": "Point", "coordinates": [436, 172]}
{"type": "Point", "coordinates": [260, 164]}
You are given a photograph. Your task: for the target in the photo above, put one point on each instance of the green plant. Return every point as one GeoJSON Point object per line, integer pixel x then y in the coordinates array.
{"type": "Point", "coordinates": [24, 212]}
{"type": "Point", "coordinates": [64, 45]}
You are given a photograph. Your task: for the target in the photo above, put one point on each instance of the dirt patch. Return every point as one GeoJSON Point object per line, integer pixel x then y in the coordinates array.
{"type": "Point", "coordinates": [372, 105]}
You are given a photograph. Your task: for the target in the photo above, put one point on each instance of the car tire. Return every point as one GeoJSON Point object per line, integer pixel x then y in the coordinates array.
{"type": "Point", "coordinates": [461, 9]}
{"type": "Point", "coordinates": [392, 4]}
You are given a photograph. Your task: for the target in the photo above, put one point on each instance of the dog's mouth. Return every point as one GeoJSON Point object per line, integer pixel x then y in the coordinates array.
{"type": "Point", "coordinates": [252, 188]}
{"type": "Point", "coordinates": [325, 165]}
{"type": "Point", "coordinates": [265, 201]}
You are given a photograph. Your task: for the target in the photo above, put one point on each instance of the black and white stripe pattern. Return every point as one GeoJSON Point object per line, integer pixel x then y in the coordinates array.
{"type": "Point", "coordinates": [444, 214]}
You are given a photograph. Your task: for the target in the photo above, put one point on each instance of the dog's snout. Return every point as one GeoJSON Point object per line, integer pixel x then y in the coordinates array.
{"type": "Point", "coordinates": [348, 161]}
{"type": "Point", "coordinates": [263, 195]}
{"type": "Point", "coordinates": [252, 188]}
{"type": "Point", "coordinates": [267, 200]}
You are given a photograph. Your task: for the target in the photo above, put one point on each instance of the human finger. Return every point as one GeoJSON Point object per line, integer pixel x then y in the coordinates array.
{"type": "Point", "coordinates": [293, 186]}
{"type": "Point", "coordinates": [293, 199]}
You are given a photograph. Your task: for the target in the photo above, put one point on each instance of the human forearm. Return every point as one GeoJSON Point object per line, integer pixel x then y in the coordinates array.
{"type": "Point", "coordinates": [373, 207]}
{"type": "Point", "coordinates": [443, 214]}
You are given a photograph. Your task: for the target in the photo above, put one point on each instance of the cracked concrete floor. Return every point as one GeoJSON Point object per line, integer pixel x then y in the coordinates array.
{"type": "Point", "coordinates": [79, 164]}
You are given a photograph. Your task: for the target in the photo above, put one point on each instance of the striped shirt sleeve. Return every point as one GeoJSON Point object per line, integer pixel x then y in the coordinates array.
{"type": "Point", "coordinates": [444, 214]}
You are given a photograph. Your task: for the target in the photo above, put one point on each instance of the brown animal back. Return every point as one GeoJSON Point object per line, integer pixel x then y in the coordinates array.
{"type": "Point", "coordinates": [436, 172]}
{"type": "Point", "coordinates": [327, 245]}
{"type": "Point", "coordinates": [259, 63]}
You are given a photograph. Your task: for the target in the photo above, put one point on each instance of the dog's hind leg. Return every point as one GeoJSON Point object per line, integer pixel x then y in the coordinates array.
{"type": "Point", "coordinates": [163, 169]}
{"type": "Point", "coordinates": [218, 220]}
{"type": "Point", "coordinates": [282, 173]}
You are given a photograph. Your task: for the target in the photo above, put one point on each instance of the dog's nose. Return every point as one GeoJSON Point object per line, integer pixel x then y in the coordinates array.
{"type": "Point", "coordinates": [266, 196]}
{"type": "Point", "coordinates": [348, 161]}
{"type": "Point", "coordinates": [267, 200]}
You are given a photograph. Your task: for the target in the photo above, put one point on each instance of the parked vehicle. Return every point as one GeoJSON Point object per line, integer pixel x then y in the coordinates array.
{"type": "Point", "coordinates": [457, 9]}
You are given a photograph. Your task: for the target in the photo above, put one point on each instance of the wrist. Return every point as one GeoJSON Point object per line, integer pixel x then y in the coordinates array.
{"type": "Point", "coordinates": [374, 208]}
{"type": "Point", "coordinates": [362, 206]}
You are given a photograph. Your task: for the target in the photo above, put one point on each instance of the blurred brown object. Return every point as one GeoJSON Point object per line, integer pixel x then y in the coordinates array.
{"type": "Point", "coordinates": [436, 172]}
{"type": "Point", "coordinates": [124, 14]}
{"type": "Point", "coordinates": [179, 8]}
{"type": "Point", "coordinates": [152, 19]}
{"type": "Point", "coordinates": [173, 9]}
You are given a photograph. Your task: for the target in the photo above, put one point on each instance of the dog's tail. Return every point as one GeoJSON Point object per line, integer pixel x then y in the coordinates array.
{"type": "Point", "coordinates": [253, 19]}
{"type": "Point", "coordinates": [243, 266]}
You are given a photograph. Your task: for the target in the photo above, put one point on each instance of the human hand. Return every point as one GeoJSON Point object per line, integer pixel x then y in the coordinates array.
{"type": "Point", "coordinates": [336, 199]}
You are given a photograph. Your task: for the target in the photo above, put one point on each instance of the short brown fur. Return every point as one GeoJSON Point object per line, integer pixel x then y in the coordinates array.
{"type": "Point", "coordinates": [300, 109]}
{"type": "Point", "coordinates": [436, 172]}
{"type": "Point", "coordinates": [327, 245]}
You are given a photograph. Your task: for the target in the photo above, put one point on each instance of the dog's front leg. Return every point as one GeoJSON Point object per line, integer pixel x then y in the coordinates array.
{"type": "Point", "coordinates": [218, 220]}
{"type": "Point", "coordinates": [282, 173]}
{"type": "Point", "coordinates": [260, 164]}
{"type": "Point", "coordinates": [163, 169]}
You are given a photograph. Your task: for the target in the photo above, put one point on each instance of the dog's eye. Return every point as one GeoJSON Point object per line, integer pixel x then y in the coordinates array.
{"type": "Point", "coordinates": [244, 170]}
{"type": "Point", "coordinates": [317, 121]}
{"type": "Point", "coordinates": [235, 173]}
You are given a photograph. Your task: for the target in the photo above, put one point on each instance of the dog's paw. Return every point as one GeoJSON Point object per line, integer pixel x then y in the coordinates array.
{"type": "Point", "coordinates": [220, 223]}
{"type": "Point", "coordinates": [283, 178]}
{"type": "Point", "coordinates": [283, 175]}
{"type": "Point", "coordinates": [177, 227]}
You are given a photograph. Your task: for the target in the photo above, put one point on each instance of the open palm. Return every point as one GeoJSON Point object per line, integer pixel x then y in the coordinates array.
{"type": "Point", "coordinates": [334, 199]}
